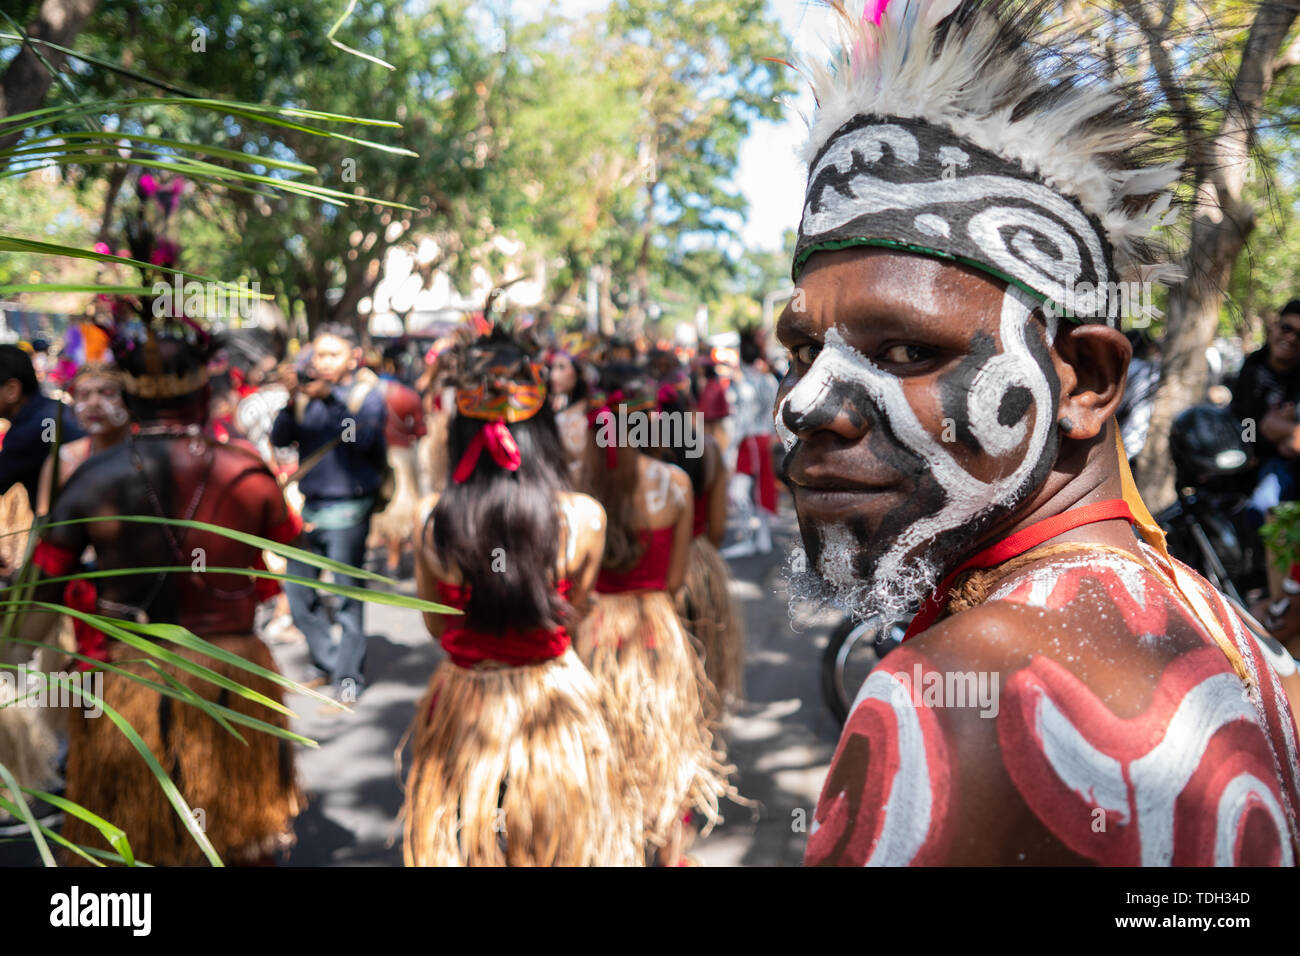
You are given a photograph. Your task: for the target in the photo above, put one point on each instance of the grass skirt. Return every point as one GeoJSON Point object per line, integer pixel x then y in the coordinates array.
{"type": "Point", "coordinates": [515, 766]}
{"type": "Point", "coordinates": [248, 793]}
{"type": "Point", "coordinates": [710, 614]}
{"type": "Point", "coordinates": [395, 522]}
{"type": "Point", "coordinates": [27, 743]}
{"type": "Point", "coordinates": [656, 692]}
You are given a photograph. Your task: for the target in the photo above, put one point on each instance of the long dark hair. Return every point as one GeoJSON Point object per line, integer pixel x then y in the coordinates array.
{"type": "Point", "coordinates": [678, 401]}
{"type": "Point", "coordinates": [616, 488]}
{"type": "Point", "coordinates": [501, 529]}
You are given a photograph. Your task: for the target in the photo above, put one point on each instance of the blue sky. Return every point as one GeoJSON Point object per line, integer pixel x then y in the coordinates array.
{"type": "Point", "coordinates": [769, 176]}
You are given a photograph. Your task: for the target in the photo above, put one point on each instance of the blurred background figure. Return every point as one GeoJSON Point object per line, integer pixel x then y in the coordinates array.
{"type": "Point", "coordinates": [1134, 413]}
{"type": "Point", "coordinates": [403, 429]}
{"type": "Point", "coordinates": [513, 728]}
{"type": "Point", "coordinates": [663, 704]}
{"type": "Point", "coordinates": [34, 420]}
{"type": "Point", "coordinates": [569, 387]}
{"type": "Point", "coordinates": [753, 486]}
{"type": "Point", "coordinates": [1264, 398]}
{"type": "Point", "coordinates": [336, 416]}
{"type": "Point", "coordinates": [713, 405]}
{"type": "Point", "coordinates": [101, 413]}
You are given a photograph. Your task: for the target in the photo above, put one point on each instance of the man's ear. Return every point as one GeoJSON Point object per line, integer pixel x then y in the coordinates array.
{"type": "Point", "coordinates": [1091, 360]}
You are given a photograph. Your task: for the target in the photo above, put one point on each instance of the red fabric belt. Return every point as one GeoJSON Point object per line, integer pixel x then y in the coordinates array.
{"type": "Point", "coordinates": [1013, 546]}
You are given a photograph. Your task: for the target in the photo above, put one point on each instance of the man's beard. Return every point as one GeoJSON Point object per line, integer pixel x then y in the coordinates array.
{"type": "Point", "coordinates": [835, 583]}
{"type": "Point", "coordinates": [834, 578]}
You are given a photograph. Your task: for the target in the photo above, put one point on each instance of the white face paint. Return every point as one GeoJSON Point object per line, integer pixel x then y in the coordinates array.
{"type": "Point", "coordinates": [788, 438]}
{"type": "Point", "coordinates": [98, 405]}
{"type": "Point", "coordinates": [907, 571]}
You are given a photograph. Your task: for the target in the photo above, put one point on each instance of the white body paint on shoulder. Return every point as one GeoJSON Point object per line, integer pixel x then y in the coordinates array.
{"type": "Point", "coordinates": [660, 487]}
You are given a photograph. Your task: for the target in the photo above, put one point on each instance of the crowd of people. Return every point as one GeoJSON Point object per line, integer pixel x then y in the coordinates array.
{"type": "Point", "coordinates": [576, 715]}
{"type": "Point", "coordinates": [951, 446]}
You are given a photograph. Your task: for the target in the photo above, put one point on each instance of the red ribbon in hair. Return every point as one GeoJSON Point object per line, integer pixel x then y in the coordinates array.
{"type": "Point", "coordinates": [501, 445]}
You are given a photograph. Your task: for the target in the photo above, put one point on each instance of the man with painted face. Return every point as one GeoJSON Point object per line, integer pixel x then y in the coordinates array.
{"type": "Point", "coordinates": [1067, 693]}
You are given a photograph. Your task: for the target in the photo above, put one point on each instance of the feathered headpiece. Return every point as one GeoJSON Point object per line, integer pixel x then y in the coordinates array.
{"type": "Point", "coordinates": [942, 127]}
{"type": "Point", "coordinates": [500, 384]}
{"type": "Point", "coordinates": [160, 352]}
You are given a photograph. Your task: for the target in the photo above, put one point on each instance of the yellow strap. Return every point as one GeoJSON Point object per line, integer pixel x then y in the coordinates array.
{"type": "Point", "coordinates": [1154, 535]}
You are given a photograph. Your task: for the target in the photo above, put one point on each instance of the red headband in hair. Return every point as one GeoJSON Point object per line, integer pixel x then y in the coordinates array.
{"type": "Point", "coordinates": [501, 445]}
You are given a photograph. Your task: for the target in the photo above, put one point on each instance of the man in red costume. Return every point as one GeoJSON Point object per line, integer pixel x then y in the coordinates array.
{"type": "Point", "coordinates": [1067, 693]}
{"type": "Point", "coordinates": [172, 467]}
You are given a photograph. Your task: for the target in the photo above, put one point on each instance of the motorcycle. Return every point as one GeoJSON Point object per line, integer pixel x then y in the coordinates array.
{"type": "Point", "coordinates": [852, 650]}
{"type": "Point", "coordinates": [1210, 527]}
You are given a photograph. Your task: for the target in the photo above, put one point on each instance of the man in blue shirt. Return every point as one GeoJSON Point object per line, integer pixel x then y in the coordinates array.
{"type": "Point", "coordinates": [337, 410]}
{"type": "Point", "coordinates": [32, 422]}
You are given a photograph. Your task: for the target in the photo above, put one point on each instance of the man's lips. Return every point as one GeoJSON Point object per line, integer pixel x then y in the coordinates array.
{"type": "Point", "coordinates": [817, 480]}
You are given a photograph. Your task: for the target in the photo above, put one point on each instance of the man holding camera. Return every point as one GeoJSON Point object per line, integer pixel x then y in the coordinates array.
{"type": "Point", "coordinates": [335, 416]}
{"type": "Point", "coordinates": [1265, 394]}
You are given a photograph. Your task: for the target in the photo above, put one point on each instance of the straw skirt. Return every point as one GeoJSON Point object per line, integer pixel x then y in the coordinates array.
{"type": "Point", "coordinates": [711, 616]}
{"type": "Point", "coordinates": [515, 766]}
{"type": "Point", "coordinates": [659, 700]}
{"type": "Point", "coordinates": [244, 796]}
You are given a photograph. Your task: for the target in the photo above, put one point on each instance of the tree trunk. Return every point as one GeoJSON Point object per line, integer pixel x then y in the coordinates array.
{"type": "Point", "coordinates": [606, 301]}
{"type": "Point", "coordinates": [1222, 221]}
{"type": "Point", "coordinates": [1194, 306]}
{"type": "Point", "coordinates": [114, 188]}
{"type": "Point", "coordinates": [639, 293]}
{"type": "Point", "coordinates": [27, 79]}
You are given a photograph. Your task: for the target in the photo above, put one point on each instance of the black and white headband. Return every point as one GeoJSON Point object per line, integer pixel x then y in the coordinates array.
{"type": "Point", "coordinates": [907, 184]}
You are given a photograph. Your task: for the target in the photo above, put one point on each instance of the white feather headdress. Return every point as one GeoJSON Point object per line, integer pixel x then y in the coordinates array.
{"type": "Point", "coordinates": [972, 69]}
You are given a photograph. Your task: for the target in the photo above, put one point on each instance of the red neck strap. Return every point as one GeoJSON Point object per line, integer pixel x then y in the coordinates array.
{"type": "Point", "coordinates": [1017, 544]}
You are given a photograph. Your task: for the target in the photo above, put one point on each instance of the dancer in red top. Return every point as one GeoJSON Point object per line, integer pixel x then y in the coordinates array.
{"type": "Point", "coordinates": [403, 429]}
{"type": "Point", "coordinates": [513, 761]}
{"type": "Point", "coordinates": [662, 699]}
{"type": "Point", "coordinates": [705, 605]}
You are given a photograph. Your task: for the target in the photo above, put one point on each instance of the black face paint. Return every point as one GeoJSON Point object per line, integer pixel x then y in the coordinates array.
{"type": "Point", "coordinates": [1015, 404]}
{"type": "Point", "coordinates": [955, 386]}
{"type": "Point", "coordinates": [848, 398]}
{"type": "Point", "coordinates": [935, 510]}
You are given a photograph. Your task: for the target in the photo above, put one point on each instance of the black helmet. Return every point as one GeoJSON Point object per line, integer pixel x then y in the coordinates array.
{"type": "Point", "coordinates": [1206, 444]}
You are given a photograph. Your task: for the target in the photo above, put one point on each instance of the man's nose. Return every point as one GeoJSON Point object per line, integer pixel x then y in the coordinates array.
{"type": "Point", "coordinates": [821, 403]}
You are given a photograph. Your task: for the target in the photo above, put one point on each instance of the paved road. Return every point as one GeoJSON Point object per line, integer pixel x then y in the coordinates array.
{"type": "Point", "coordinates": [781, 740]}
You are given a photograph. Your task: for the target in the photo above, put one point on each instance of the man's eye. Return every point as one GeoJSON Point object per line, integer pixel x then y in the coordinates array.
{"type": "Point", "coordinates": [806, 354]}
{"type": "Point", "coordinates": [906, 354]}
